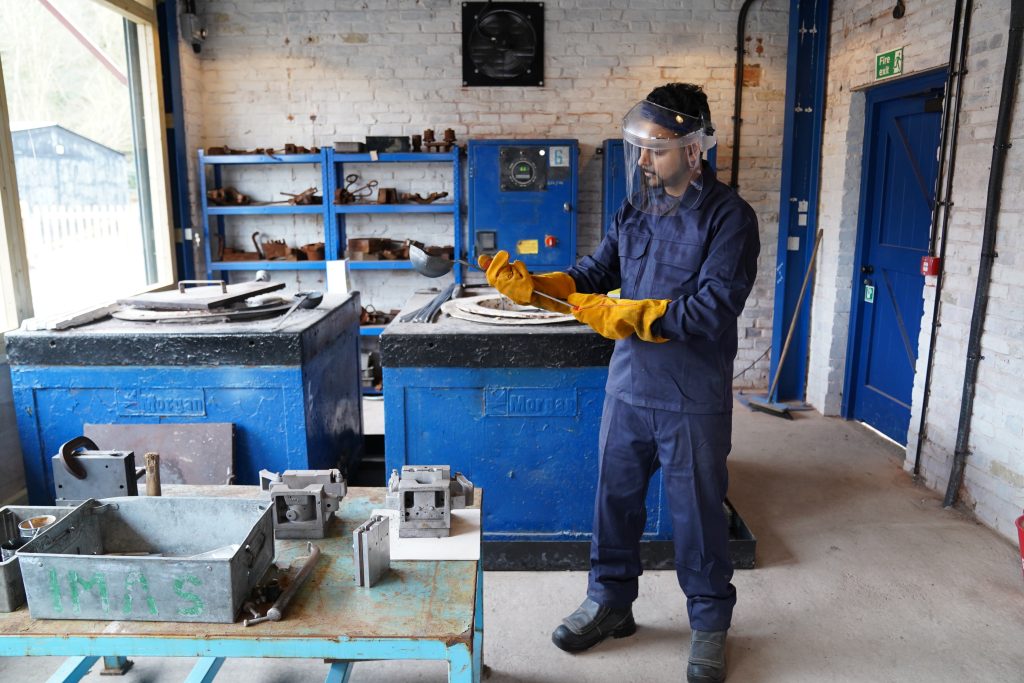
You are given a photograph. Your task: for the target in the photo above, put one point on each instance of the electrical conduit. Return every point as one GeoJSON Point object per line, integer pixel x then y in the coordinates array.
{"type": "Point", "coordinates": [1000, 146]}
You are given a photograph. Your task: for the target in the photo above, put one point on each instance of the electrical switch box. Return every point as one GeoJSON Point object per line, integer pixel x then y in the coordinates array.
{"type": "Point", "coordinates": [930, 265]}
{"type": "Point", "coordinates": [522, 198]}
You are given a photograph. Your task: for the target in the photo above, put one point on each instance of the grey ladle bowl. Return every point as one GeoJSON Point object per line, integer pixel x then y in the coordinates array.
{"type": "Point", "coordinates": [436, 266]}
{"type": "Point", "coordinates": [433, 266]}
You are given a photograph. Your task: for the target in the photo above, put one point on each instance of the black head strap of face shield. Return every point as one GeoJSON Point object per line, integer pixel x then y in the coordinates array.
{"type": "Point", "coordinates": [683, 124]}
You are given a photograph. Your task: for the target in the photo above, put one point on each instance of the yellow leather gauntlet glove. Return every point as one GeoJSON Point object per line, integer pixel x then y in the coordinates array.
{"type": "Point", "coordinates": [619, 318]}
{"type": "Point", "coordinates": [511, 279]}
{"type": "Point", "coordinates": [556, 284]}
{"type": "Point", "coordinates": [514, 281]}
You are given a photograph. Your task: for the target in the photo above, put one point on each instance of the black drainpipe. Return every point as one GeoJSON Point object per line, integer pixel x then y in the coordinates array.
{"type": "Point", "coordinates": [988, 243]}
{"type": "Point", "coordinates": [737, 121]}
{"type": "Point", "coordinates": [950, 135]}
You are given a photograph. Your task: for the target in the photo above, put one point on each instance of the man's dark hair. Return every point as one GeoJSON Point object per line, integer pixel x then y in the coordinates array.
{"type": "Point", "coordinates": [685, 98]}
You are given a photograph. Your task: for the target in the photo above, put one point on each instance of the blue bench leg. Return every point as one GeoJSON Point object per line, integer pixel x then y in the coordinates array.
{"type": "Point", "coordinates": [72, 670]}
{"type": "Point", "coordinates": [478, 626]}
{"type": "Point", "coordinates": [339, 673]}
{"type": "Point", "coordinates": [205, 670]}
{"type": "Point", "coordinates": [460, 664]}
{"type": "Point", "coordinates": [115, 666]}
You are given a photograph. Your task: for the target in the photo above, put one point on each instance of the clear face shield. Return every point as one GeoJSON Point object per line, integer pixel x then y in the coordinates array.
{"type": "Point", "coordinates": [663, 150]}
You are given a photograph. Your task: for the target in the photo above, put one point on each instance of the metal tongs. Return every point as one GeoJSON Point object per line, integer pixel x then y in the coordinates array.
{"type": "Point", "coordinates": [276, 611]}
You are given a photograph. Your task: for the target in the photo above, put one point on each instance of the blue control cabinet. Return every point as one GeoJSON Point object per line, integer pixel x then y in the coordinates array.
{"type": "Point", "coordinates": [522, 198]}
{"type": "Point", "coordinates": [293, 395]}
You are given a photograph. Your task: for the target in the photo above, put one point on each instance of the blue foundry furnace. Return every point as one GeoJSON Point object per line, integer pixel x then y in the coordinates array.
{"type": "Point", "coordinates": [293, 395]}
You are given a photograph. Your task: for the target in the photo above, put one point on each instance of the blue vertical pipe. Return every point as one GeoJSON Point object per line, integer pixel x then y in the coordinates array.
{"type": "Point", "coordinates": [177, 152]}
{"type": "Point", "coordinates": [332, 238]}
{"type": "Point", "coordinates": [801, 172]}
{"type": "Point", "coordinates": [457, 208]}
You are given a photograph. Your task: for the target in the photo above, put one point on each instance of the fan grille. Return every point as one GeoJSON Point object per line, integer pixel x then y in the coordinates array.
{"type": "Point", "coordinates": [503, 43]}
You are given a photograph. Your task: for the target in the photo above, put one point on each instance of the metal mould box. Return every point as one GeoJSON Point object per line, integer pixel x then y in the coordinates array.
{"type": "Point", "coordinates": [149, 559]}
{"type": "Point", "coordinates": [12, 591]}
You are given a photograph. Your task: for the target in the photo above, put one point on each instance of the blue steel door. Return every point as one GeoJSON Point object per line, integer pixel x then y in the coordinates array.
{"type": "Point", "coordinates": [613, 181]}
{"type": "Point", "coordinates": [898, 194]}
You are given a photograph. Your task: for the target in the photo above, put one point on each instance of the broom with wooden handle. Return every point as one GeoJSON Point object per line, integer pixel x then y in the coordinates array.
{"type": "Point", "coordinates": [766, 405]}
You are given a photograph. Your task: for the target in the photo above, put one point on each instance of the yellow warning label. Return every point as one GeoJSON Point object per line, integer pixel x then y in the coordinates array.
{"type": "Point", "coordinates": [528, 246]}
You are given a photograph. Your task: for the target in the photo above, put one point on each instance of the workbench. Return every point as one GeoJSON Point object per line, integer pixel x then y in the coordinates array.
{"type": "Point", "coordinates": [419, 610]}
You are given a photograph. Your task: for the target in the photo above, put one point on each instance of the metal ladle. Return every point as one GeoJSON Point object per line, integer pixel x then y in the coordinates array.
{"type": "Point", "coordinates": [436, 266]}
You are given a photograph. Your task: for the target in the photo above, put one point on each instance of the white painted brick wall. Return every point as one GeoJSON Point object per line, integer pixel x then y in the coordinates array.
{"type": "Point", "coordinates": [393, 67]}
{"type": "Point", "coordinates": [994, 481]}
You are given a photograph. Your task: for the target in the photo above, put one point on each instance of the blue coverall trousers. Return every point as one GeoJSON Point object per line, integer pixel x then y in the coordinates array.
{"type": "Point", "coordinates": [691, 450]}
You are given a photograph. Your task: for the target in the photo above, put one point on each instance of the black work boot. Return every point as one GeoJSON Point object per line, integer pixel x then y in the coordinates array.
{"type": "Point", "coordinates": [707, 657]}
{"type": "Point", "coordinates": [590, 624]}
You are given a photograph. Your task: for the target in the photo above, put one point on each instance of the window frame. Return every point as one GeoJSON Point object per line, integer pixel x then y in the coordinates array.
{"type": "Point", "coordinates": [15, 288]}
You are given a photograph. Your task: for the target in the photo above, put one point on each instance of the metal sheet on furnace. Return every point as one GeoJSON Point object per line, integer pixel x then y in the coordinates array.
{"type": "Point", "coordinates": [200, 298]}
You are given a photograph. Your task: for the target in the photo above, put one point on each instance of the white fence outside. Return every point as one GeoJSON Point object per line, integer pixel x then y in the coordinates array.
{"type": "Point", "coordinates": [82, 256]}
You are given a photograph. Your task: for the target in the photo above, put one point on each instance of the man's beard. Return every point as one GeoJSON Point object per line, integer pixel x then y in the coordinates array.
{"type": "Point", "coordinates": [651, 179]}
{"type": "Point", "coordinates": [677, 182]}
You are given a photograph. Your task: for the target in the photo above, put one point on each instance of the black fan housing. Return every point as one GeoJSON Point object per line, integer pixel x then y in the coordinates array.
{"type": "Point", "coordinates": [503, 43]}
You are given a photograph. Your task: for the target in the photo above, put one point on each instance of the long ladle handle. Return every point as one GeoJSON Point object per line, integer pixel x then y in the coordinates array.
{"type": "Point", "coordinates": [535, 291]}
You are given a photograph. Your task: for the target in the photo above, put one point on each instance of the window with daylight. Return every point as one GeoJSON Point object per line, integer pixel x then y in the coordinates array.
{"type": "Point", "coordinates": [83, 107]}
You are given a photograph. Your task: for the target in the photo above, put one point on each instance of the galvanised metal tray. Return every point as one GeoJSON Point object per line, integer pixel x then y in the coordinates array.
{"type": "Point", "coordinates": [149, 559]}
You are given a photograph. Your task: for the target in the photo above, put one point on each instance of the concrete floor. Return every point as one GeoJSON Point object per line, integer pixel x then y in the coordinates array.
{"type": "Point", "coordinates": [862, 576]}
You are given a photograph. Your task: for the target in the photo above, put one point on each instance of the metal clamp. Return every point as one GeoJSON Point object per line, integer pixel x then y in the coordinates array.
{"type": "Point", "coordinates": [68, 455]}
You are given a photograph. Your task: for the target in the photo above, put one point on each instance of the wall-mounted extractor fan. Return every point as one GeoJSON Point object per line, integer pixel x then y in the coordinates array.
{"type": "Point", "coordinates": [503, 43]}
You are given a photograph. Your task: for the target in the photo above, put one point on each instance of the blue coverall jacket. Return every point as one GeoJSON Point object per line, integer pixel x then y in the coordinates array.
{"type": "Point", "coordinates": [704, 259]}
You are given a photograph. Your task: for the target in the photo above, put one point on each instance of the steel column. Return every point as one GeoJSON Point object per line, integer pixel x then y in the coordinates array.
{"type": "Point", "coordinates": [801, 171]}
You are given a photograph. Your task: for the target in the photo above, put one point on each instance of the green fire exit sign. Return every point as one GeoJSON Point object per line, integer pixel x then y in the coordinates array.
{"type": "Point", "coordinates": [889, 64]}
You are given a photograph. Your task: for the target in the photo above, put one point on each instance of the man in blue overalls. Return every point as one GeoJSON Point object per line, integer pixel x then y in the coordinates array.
{"type": "Point", "coordinates": [683, 249]}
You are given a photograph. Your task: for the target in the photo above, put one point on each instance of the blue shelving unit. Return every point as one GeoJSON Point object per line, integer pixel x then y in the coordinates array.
{"type": "Point", "coordinates": [332, 167]}
{"type": "Point", "coordinates": [380, 265]}
{"type": "Point", "coordinates": [337, 227]}
{"type": "Point", "coordinates": [213, 216]}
